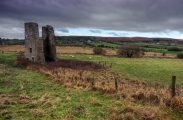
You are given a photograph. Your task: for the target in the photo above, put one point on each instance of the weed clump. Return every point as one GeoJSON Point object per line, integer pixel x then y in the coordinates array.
{"type": "Point", "coordinates": [38, 113]}
{"type": "Point", "coordinates": [23, 99]}
{"type": "Point", "coordinates": [94, 101]}
{"type": "Point", "coordinates": [5, 112]}
{"type": "Point", "coordinates": [146, 112]}
{"type": "Point", "coordinates": [177, 103]}
{"type": "Point", "coordinates": [78, 110]}
{"type": "Point", "coordinates": [124, 116]}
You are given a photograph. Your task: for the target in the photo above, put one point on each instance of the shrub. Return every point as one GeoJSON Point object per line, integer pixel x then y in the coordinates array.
{"type": "Point", "coordinates": [177, 103]}
{"type": "Point", "coordinates": [175, 49]}
{"type": "Point", "coordinates": [101, 45]}
{"type": "Point", "coordinates": [129, 51]}
{"type": "Point", "coordinates": [180, 56]}
{"type": "Point", "coordinates": [163, 54]}
{"type": "Point", "coordinates": [98, 51]}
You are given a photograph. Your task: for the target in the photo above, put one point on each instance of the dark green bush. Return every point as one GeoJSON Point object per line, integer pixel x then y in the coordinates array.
{"type": "Point", "coordinates": [163, 54]}
{"type": "Point", "coordinates": [180, 56]}
{"type": "Point", "coordinates": [175, 49]}
{"type": "Point", "coordinates": [101, 45]}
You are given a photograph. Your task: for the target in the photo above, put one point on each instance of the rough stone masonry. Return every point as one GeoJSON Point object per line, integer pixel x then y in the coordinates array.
{"type": "Point", "coordinates": [33, 45]}
{"type": "Point", "coordinates": [49, 43]}
{"type": "Point", "coordinates": [39, 49]}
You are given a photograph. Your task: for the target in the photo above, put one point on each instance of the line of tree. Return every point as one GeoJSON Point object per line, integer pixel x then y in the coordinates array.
{"type": "Point", "coordinates": [175, 49]}
{"type": "Point", "coordinates": [7, 41]}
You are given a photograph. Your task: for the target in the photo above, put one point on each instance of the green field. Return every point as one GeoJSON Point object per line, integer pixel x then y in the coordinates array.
{"type": "Point", "coordinates": [25, 94]}
{"type": "Point", "coordinates": [148, 47]}
{"type": "Point", "coordinates": [151, 47]}
{"type": "Point", "coordinates": [104, 44]}
{"type": "Point", "coordinates": [148, 69]}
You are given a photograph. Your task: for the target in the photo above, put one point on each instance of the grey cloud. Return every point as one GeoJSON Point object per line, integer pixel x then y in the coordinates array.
{"type": "Point", "coordinates": [65, 31]}
{"type": "Point", "coordinates": [114, 34]}
{"type": "Point", "coordinates": [124, 34]}
{"type": "Point", "coordinates": [95, 31]}
{"type": "Point", "coordinates": [126, 15]}
{"type": "Point", "coordinates": [118, 34]}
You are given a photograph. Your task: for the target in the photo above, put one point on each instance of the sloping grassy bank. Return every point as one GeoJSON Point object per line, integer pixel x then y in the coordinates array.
{"type": "Point", "coordinates": [152, 70]}
{"type": "Point", "coordinates": [26, 94]}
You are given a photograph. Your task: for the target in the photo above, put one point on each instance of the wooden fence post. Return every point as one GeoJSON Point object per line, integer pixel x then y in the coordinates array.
{"type": "Point", "coordinates": [116, 84]}
{"type": "Point", "coordinates": [173, 85]}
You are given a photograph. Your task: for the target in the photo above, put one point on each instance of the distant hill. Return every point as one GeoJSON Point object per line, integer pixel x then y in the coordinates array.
{"type": "Point", "coordinates": [118, 39]}
{"type": "Point", "coordinates": [80, 40]}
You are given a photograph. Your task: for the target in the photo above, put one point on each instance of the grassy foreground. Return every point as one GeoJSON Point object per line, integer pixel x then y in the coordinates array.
{"type": "Point", "coordinates": [28, 95]}
{"type": "Point", "coordinates": [25, 94]}
{"type": "Point", "coordinates": [151, 70]}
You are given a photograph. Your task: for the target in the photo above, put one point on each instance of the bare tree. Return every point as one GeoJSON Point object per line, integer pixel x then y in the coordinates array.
{"type": "Point", "coordinates": [99, 51]}
{"type": "Point", "coordinates": [129, 51]}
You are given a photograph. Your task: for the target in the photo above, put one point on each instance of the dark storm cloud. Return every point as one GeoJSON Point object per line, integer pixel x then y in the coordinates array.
{"type": "Point", "coordinates": [126, 15]}
{"type": "Point", "coordinates": [95, 31]}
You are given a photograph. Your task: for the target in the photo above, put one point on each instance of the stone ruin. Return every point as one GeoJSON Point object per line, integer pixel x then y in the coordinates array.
{"type": "Point", "coordinates": [49, 43]}
{"type": "Point", "coordinates": [39, 49]}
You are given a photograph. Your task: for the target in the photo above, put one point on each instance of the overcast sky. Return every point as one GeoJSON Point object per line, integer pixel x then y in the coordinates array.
{"type": "Point", "coordinates": [129, 18]}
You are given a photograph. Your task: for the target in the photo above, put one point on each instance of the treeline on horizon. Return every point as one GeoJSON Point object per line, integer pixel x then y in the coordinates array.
{"type": "Point", "coordinates": [80, 40]}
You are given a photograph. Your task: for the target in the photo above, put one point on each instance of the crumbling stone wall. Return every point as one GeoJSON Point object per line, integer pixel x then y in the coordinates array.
{"type": "Point", "coordinates": [33, 45]}
{"type": "Point", "coordinates": [49, 43]}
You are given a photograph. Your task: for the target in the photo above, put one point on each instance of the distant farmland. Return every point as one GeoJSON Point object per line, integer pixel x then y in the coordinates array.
{"type": "Point", "coordinates": [77, 50]}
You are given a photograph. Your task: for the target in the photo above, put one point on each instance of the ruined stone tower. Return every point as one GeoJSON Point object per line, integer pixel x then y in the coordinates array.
{"type": "Point", "coordinates": [49, 43]}
{"type": "Point", "coordinates": [33, 45]}
{"type": "Point", "coordinates": [36, 49]}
